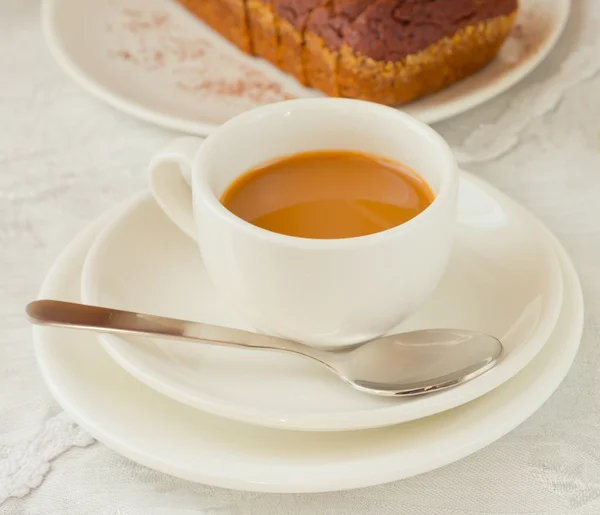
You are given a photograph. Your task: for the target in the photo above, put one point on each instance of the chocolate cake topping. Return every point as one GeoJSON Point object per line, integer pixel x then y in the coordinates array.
{"type": "Point", "coordinates": [296, 12]}
{"type": "Point", "coordinates": [331, 20]}
{"type": "Point", "coordinates": [389, 30]}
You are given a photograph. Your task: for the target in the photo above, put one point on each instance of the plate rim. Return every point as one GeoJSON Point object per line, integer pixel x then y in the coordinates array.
{"type": "Point", "coordinates": [392, 473]}
{"type": "Point", "coordinates": [136, 110]}
{"type": "Point", "coordinates": [344, 421]}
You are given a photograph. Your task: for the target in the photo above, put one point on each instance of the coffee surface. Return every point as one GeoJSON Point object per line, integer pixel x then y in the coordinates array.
{"type": "Point", "coordinates": [328, 195]}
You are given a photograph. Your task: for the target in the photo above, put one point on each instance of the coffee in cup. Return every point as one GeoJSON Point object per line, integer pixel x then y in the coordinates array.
{"type": "Point", "coordinates": [328, 195]}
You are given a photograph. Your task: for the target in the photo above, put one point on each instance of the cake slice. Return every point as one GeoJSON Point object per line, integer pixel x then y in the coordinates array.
{"type": "Point", "coordinates": [400, 50]}
{"type": "Point", "coordinates": [264, 30]}
{"type": "Point", "coordinates": [324, 34]}
{"type": "Point", "coordinates": [227, 17]}
{"type": "Point", "coordinates": [292, 16]}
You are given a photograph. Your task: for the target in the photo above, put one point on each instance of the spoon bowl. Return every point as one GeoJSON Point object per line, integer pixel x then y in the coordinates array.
{"type": "Point", "coordinates": [418, 362]}
{"type": "Point", "coordinates": [404, 364]}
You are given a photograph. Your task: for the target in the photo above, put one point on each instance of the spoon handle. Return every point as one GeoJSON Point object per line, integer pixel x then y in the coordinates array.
{"type": "Point", "coordinates": [107, 320]}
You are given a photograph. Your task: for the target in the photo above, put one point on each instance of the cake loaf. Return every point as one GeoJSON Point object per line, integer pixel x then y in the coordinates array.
{"type": "Point", "coordinates": [386, 51]}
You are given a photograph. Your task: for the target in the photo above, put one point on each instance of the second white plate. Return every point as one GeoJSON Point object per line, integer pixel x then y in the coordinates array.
{"type": "Point", "coordinates": [155, 431]}
{"type": "Point", "coordinates": [153, 60]}
{"type": "Point", "coordinates": [504, 279]}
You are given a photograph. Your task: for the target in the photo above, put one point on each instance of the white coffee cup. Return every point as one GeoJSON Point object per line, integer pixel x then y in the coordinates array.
{"type": "Point", "coordinates": [327, 293]}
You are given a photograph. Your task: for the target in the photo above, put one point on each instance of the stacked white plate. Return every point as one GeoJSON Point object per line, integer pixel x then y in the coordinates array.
{"type": "Point", "coordinates": [267, 422]}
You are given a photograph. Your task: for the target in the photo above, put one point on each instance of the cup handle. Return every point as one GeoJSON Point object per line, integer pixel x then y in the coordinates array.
{"type": "Point", "coordinates": [171, 182]}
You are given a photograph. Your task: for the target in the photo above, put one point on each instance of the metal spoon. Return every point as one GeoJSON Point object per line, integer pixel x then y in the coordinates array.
{"type": "Point", "coordinates": [403, 364]}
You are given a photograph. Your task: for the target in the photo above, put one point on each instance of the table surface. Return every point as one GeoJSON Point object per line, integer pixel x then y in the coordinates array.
{"type": "Point", "coordinates": [66, 158]}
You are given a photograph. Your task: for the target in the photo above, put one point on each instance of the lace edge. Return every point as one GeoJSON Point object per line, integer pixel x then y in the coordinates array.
{"type": "Point", "coordinates": [27, 463]}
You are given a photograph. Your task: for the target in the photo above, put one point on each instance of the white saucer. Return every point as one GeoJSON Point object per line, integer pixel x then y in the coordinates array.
{"type": "Point", "coordinates": [155, 431]}
{"type": "Point", "coordinates": [503, 279]}
{"type": "Point", "coordinates": [151, 59]}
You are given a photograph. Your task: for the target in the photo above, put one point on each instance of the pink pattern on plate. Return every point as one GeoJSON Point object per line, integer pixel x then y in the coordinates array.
{"type": "Point", "coordinates": [152, 40]}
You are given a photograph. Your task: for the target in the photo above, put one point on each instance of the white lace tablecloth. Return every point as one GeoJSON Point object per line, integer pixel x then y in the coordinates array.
{"type": "Point", "coordinates": [65, 158]}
